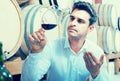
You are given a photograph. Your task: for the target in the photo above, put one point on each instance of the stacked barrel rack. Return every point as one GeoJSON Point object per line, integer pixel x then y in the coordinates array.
{"type": "Point", "coordinates": [109, 33]}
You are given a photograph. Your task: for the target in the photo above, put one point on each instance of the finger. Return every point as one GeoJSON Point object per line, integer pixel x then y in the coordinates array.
{"type": "Point", "coordinates": [96, 61]}
{"type": "Point", "coordinates": [86, 59]}
{"type": "Point", "coordinates": [102, 59]}
{"type": "Point", "coordinates": [40, 36]}
{"type": "Point", "coordinates": [93, 57]}
{"type": "Point", "coordinates": [30, 37]}
{"type": "Point", "coordinates": [32, 40]}
{"type": "Point", "coordinates": [91, 61]}
{"type": "Point", "coordinates": [42, 30]}
{"type": "Point", "coordinates": [35, 36]}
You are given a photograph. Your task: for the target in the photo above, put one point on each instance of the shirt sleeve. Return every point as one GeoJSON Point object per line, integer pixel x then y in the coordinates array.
{"type": "Point", "coordinates": [35, 66]}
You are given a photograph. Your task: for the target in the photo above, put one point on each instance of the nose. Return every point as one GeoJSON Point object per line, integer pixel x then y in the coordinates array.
{"type": "Point", "coordinates": [74, 22]}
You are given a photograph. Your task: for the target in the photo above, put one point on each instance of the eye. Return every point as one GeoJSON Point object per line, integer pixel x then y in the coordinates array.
{"type": "Point", "coordinates": [81, 21]}
{"type": "Point", "coordinates": [72, 18]}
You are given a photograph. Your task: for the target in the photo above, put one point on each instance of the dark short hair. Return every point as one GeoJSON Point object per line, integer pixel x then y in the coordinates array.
{"type": "Point", "coordinates": [81, 5]}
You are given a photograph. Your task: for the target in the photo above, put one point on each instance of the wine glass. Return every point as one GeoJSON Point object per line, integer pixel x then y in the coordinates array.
{"type": "Point", "coordinates": [49, 19]}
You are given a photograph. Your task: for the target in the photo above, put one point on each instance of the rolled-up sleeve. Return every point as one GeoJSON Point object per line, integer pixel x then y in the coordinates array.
{"type": "Point", "coordinates": [35, 66]}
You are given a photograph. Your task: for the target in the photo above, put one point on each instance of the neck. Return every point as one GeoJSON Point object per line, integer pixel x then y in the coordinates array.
{"type": "Point", "coordinates": [76, 44]}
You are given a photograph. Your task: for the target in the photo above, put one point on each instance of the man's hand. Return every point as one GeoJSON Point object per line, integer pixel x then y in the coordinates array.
{"type": "Point", "coordinates": [93, 64]}
{"type": "Point", "coordinates": [37, 40]}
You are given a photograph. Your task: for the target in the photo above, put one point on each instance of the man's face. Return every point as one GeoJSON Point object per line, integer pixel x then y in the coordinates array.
{"type": "Point", "coordinates": [78, 25]}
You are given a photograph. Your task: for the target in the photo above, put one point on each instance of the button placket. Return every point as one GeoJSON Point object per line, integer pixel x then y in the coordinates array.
{"type": "Point", "coordinates": [74, 67]}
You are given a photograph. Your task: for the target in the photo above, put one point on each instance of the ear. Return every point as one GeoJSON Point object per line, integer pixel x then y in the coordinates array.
{"type": "Point", "coordinates": [90, 28]}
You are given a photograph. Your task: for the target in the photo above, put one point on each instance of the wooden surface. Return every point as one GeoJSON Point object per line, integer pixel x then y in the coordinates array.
{"type": "Point", "coordinates": [117, 65]}
{"type": "Point", "coordinates": [15, 66]}
{"type": "Point", "coordinates": [116, 62]}
{"type": "Point", "coordinates": [112, 56]}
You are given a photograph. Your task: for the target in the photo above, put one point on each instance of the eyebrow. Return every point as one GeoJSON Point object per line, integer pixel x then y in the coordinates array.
{"type": "Point", "coordinates": [78, 18]}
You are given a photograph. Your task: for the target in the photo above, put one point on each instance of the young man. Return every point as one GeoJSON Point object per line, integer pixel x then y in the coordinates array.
{"type": "Point", "coordinates": [68, 59]}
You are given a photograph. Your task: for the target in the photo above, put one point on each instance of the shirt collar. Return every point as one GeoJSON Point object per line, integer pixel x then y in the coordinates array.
{"type": "Point", "coordinates": [67, 44]}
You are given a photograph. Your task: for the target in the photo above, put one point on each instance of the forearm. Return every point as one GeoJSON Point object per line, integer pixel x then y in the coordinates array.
{"type": "Point", "coordinates": [34, 67]}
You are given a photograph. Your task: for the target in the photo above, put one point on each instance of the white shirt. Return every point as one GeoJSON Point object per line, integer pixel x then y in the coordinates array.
{"type": "Point", "coordinates": [61, 63]}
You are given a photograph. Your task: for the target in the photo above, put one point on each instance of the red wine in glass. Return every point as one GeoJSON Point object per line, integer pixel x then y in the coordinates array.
{"type": "Point", "coordinates": [48, 26]}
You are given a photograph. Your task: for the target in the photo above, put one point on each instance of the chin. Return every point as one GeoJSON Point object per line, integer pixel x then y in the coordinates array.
{"type": "Point", "coordinates": [73, 36]}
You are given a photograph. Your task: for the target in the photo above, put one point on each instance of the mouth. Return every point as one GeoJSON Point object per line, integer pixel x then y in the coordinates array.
{"type": "Point", "coordinates": [71, 29]}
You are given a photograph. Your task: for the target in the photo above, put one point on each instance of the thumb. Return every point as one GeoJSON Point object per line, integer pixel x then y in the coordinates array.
{"type": "Point", "coordinates": [102, 59]}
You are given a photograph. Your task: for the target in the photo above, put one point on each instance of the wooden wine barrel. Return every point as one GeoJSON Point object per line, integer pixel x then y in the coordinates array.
{"type": "Point", "coordinates": [116, 35]}
{"type": "Point", "coordinates": [103, 40]}
{"type": "Point", "coordinates": [55, 3]}
{"type": "Point", "coordinates": [107, 15]}
{"type": "Point", "coordinates": [108, 39]}
{"type": "Point", "coordinates": [92, 34]}
{"type": "Point", "coordinates": [11, 27]}
{"type": "Point", "coordinates": [32, 16]}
